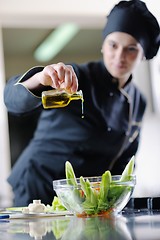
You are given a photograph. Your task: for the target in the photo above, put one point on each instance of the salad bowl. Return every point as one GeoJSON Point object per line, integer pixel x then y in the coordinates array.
{"type": "Point", "coordinates": [94, 196]}
{"type": "Point", "coordinates": [91, 201]}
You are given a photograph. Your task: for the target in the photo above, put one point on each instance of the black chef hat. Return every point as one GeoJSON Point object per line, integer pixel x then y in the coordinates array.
{"type": "Point", "coordinates": [134, 18]}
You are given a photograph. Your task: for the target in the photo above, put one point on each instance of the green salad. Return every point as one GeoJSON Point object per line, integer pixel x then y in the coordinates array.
{"type": "Point", "coordinates": [92, 198]}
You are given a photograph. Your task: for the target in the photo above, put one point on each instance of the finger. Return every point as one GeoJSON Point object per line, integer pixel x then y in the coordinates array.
{"type": "Point", "coordinates": [64, 73]}
{"type": "Point", "coordinates": [60, 67]}
{"type": "Point", "coordinates": [74, 86]}
{"type": "Point", "coordinates": [55, 79]}
{"type": "Point", "coordinates": [51, 73]}
{"type": "Point", "coordinates": [65, 77]}
{"type": "Point", "coordinates": [74, 82]}
{"type": "Point", "coordinates": [68, 78]}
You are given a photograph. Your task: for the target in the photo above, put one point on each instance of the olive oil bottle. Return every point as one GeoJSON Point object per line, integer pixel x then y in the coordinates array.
{"type": "Point", "coordinates": [58, 98]}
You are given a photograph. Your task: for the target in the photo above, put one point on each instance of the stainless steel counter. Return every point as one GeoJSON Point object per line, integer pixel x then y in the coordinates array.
{"type": "Point", "coordinates": [129, 225]}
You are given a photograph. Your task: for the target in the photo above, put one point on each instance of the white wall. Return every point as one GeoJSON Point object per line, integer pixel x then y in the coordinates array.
{"type": "Point", "coordinates": [5, 192]}
{"type": "Point", "coordinates": [148, 157]}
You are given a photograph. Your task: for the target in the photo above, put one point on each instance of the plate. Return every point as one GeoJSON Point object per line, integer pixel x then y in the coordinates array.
{"type": "Point", "coordinates": [16, 213]}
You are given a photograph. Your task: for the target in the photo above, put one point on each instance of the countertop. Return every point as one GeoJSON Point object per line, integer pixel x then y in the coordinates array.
{"type": "Point", "coordinates": [128, 225]}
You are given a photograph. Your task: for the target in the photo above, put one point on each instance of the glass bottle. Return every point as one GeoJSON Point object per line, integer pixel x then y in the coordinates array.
{"type": "Point", "coordinates": [58, 98]}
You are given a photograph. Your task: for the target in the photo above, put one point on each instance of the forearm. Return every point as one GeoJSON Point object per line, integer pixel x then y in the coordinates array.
{"type": "Point", "coordinates": [23, 93]}
{"type": "Point", "coordinates": [33, 85]}
{"type": "Point", "coordinates": [31, 81]}
{"type": "Point", "coordinates": [18, 98]}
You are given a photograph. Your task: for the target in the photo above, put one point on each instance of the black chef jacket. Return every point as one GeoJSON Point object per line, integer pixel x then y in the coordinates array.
{"type": "Point", "coordinates": [106, 138]}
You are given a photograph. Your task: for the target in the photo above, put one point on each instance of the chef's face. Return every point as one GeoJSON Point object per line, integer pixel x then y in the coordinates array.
{"type": "Point", "coordinates": [121, 53]}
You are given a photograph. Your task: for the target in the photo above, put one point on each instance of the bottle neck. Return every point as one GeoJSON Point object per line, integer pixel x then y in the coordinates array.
{"type": "Point", "coordinates": [77, 95]}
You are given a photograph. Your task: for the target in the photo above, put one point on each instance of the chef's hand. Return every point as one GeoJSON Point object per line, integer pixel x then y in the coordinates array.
{"type": "Point", "coordinates": [59, 76]}
{"type": "Point", "coordinates": [55, 75]}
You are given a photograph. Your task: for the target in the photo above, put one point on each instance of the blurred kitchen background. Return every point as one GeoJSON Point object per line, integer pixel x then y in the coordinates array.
{"type": "Point", "coordinates": [24, 25]}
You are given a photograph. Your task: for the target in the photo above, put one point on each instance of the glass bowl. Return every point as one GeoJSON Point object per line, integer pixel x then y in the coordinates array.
{"type": "Point", "coordinates": [77, 202]}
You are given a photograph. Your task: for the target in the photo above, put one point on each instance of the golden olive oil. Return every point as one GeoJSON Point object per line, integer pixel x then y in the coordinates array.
{"type": "Point", "coordinates": [58, 98]}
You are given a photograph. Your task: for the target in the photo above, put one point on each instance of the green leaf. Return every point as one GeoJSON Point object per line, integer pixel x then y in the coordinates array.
{"type": "Point", "coordinates": [57, 204]}
{"type": "Point", "coordinates": [70, 175]}
{"type": "Point", "coordinates": [104, 188]}
{"type": "Point", "coordinates": [105, 184]}
{"type": "Point", "coordinates": [59, 226]}
{"type": "Point", "coordinates": [91, 200]}
{"type": "Point", "coordinates": [128, 171]}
